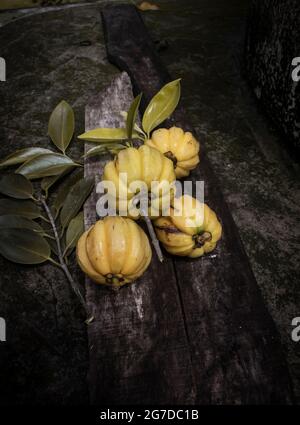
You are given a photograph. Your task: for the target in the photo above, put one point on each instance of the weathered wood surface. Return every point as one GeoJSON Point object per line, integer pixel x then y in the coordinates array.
{"type": "Point", "coordinates": [204, 334]}
{"type": "Point", "coordinates": [137, 342]}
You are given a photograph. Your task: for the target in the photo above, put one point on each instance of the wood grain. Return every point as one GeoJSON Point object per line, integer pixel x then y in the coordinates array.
{"type": "Point", "coordinates": [138, 346]}
{"type": "Point", "coordinates": [230, 340]}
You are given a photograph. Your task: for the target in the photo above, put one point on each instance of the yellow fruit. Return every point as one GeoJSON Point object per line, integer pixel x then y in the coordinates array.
{"type": "Point", "coordinates": [143, 165]}
{"type": "Point", "coordinates": [181, 147]}
{"type": "Point", "coordinates": [114, 251]}
{"type": "Point", "coordinates": [191, 230]}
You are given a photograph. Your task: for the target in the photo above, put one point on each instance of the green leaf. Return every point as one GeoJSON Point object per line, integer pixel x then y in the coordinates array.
{"type": "Point", "coordinates": [22, 155]}
{"type": "Point", "coordinates": [49, 181]}
{"type": "Point", "coordinates": [53, 246]}
{"type": "Point", "coordinates": [104, 135]}
{"type": "Point", "coordinates": [64, 189]}
{"type": "Point", "coordinates": [48, 229]}
{"type": "Point", "coordinates": [75, 199]}
{"type": "Point", "coordinates": [16, 186]}
{"type": "Point", "coordinates": [131, 116]}
{"type": "Point", "coordinates": [97, 150]}
{"type": "Point", "coordinates": [161, 106]}
{"type": "Point", "coordinates": [104, 148]}
{"type": "Point", "coordinates": [50, 164]}
{"type": "Point", "coordinates": [18, 222]}
{"type": "Point", "coordinates": [26, 247]}
{"type": "Point", "coordinates": [74, 231]}
{"type": "Point", "coordinates": [61, 125]}
{"type": "Point", "coordinates": [17, 207]}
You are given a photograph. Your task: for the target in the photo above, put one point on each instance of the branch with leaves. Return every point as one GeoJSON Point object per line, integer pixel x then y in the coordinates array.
{"type": "Point", "coordinates": [112, 140]}
{"type": "Point", "coordinates": [50, 230]}
{"type": "Point", "coordinates": [161, 107]}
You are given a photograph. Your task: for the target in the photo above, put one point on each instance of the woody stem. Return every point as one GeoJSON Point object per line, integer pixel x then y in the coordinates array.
{"type": "Point", "coordinates": [62, 263]}
{"type": "Point", "coordinates": [153, 238]}
{"type": "Point", "coordinates": [142, 199]}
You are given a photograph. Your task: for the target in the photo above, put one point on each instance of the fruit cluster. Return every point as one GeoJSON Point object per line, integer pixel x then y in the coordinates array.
{"type": "Point", "coordinates": [116, 251]}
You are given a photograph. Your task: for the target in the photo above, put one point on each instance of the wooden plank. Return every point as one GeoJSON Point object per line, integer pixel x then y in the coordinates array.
{"type": "Point", "coordinates": [137, 342]}
{"type": "Point", "coordinates": [233, 342]}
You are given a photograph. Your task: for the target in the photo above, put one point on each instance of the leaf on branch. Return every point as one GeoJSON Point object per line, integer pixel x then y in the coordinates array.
{"type": "Point", "coordinates": [64, 189]}
{"type": "Point", "coordinates": [26, 247]}
{"type": "Point", "coordinates": [53, 245]}
{"type": "Point", "coordinates": [19, 207]}
{"type": "Point", "coordinates": [16, 186]}
{"type": "Point", "coordinates": [46, 165]}
{"type": "Point", "coordinates": [74, 231]}
{"type": "Point", "coordinates": [18, 222]}
{"type": "Point", "coordinates": [61, 125]}
{"type": "Point", "coordinates": [104, 135]}
{"type": "Point", "coordinates": [49, 181]}
{"type": "Point", "coordinates": [161, 106]}
{"type": "Point", "coordinates": [104, 148]}
{"type": "Point", "coordinates": [47, 228]}
{"type": "Point", "coordinates": [75, 199]}
{"type": "Point", "coordinates": [131, 116]}
{"type": "Point", "coordinates": [22, 155]}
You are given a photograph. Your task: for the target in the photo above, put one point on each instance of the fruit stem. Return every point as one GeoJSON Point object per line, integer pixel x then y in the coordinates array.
{"type": "Point", "coordinates": [153, 237]}
{"type": "Point", "coordinates": [62, 263]}
{"type": "Point", "coordinates": [201, 238]}
{"type": "Point", "coordinates": [172, 157]}
{"type": "Point", "coordinates": [139, 198]}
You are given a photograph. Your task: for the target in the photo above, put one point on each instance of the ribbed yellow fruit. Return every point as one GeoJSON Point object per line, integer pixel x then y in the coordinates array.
{"type": "Point", "coordinates": [191, 230]}
{"type": "Point", "coordinates": [179, 146]}
{"type": "Point", "coordinates": [134, 166]}
{"type": "Point", "coordinates": [114, 251]}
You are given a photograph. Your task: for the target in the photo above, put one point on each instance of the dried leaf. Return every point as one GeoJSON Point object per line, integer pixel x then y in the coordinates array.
{"type": "Point", "coordinates": [145, 5]}
{"type": "Point", "coordinates": [16, 186]}
{"type": "Point", "coordinates": [26, 247]}
{"type": "Point", "coordinates": [161, 106]}
{"type": "Point", "coordinates": [61, 125]}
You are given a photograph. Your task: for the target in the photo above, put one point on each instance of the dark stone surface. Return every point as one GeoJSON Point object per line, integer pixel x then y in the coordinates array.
{"type": "Point", "coordinates": [273, 40]}
{"type": "Point", "coordinates": [52, 56]}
